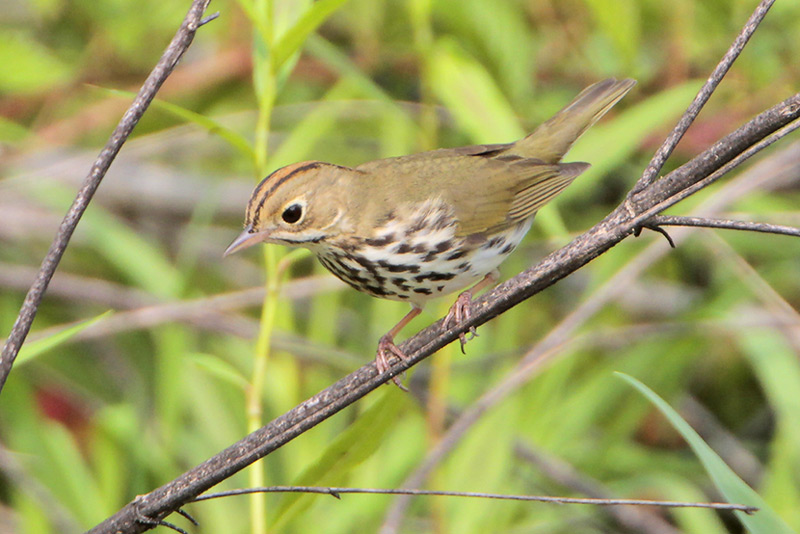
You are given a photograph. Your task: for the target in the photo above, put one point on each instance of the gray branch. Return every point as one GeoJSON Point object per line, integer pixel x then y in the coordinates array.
{"type": "Point", "coordinates": [728, 224]}
{"type": "Point", "coordinates": [180, 43]}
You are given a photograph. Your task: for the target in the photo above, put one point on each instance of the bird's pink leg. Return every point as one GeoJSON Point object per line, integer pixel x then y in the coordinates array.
{"type": "Point", "coordinates": [386, 345]}
{"type": "Point", "coordinates": [461, 309]}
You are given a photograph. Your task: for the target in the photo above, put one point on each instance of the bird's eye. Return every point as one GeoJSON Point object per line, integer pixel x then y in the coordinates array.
{"type": "Point", "coordinates": [292, 214]}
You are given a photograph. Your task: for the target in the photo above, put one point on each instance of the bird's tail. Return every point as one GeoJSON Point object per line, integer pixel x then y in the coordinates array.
{"type": "Point", "coordinates": [550, 141]}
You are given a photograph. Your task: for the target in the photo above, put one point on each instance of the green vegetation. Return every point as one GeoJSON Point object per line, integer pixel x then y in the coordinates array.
{"type": "Point", "coordinates": [108, 405]}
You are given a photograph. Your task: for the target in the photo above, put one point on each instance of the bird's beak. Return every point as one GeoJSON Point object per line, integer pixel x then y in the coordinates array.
{"type": "Point", "coordinates": [246, 239]}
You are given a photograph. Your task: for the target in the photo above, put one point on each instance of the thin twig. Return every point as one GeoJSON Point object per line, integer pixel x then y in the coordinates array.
{"type": "Point", "coordinates": [680, 193]}
{"type": "Point", "coordinates": [336, 492]}
{"type": "Point", "coordinates": [180, 43]}
{"type": "Point", "coordinates": [729, 224]}
{"type": "Point", "coordinates": [664, 151]}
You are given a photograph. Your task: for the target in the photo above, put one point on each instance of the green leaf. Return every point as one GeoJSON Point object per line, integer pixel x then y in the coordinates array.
{"type": "Point", "coordinates": [28, 67]}
{"type": "Point", "coordinates": [313, 127]}
{"type": "Point", "coordinates": [219, 368]}
{"type": "Point", "coordinates": [621, 22]}
{"type": "Point", "coordinates": [291, 41]}
{"type": "Point", "coordinates": [349, 449]}
{"type": "Point", "coordinates": [338, 61]}
{"type": "Point", "coordinates": [234, 139]}
{"type": "Point", "coordinates": [503, 38]}
{"type": "Point", "coordinates": [36, 348]}
{"type": "Point", "coordinates": [471, 95]}
{"type": "Point", "coordinates": [131, 253]}
{"type": "Point", "coordinates": [76, 488]}
{"type": "Point", "coordinates": [260, 24]}
{"type": "Point", "coordinates": [778, 371]}
{"type": "Point", "coordinates": [735, 490]}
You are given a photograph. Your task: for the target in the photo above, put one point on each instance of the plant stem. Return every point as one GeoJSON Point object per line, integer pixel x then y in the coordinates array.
{"type": "Point", "coordinates": [265, 87]}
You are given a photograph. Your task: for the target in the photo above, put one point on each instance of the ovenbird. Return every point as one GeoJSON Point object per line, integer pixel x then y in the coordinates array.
{"type": "Point", "coordinates": [415, 227]}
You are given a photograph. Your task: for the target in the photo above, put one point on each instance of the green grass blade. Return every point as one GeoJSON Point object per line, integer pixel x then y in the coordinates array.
{"type": "Point", "coordinates": [777, 368]}
{"type": "Point", "coordinates": [234, 139]}
{"type": "Point", "coordinates": [471, 95]}
{"type": "Point", "coordinates": [349, 449]}
{"type": "Point", "coordinates": [291, 41]}
{"type": "Point", "coordinates": [343, 65]}
{"type": "Point", "coordinates": [621, 23]}
{"type": "Point", "coordinates": [259, 23]}
{"type": "Point", "coordinates": [36, 348]}
{"type": "Point", "coordinates": [29, 66]}
{"type": "Point", "coordinates": [133, 255]}
{"type": "Point", "coordinates": [217, 367]}
{"type": "Point", "coordinates": [765, 521]}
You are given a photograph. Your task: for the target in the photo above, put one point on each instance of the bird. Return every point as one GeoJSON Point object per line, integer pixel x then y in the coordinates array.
{"type": "Point", "coordinates": [416, 227]}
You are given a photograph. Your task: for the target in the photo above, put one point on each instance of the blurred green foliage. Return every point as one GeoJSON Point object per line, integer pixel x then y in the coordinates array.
{"type": "Point", "coordinates": [124, 402]}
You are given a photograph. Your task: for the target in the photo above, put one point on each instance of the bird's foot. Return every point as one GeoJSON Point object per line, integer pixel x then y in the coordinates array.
{"type": "Point", "coordinates": [387, 348]}
{"type": "Point", "coordinates": [459, 313]}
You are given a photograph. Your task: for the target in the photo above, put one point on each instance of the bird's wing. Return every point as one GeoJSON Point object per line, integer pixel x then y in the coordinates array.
{"type": "Point", "coordinates": [505, 193]}
{"type": "Point", "coordinates": [488, 188]}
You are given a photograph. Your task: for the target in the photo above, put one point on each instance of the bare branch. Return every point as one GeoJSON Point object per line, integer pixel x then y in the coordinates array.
{"type": "Point", "coordinates": [180, 43]}
{"type": "Point", "coordinates": [664, 151]}
{"type": "Point", "coordinates": [685, 190]}
{"type": "Point", "coordinates": [337, 492]}
{"type": "Point", "coordinates": [671, 220]}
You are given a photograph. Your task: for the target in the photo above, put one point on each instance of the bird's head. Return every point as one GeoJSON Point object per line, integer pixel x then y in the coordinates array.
{"type": "Point", "coordinates": [297, 205]}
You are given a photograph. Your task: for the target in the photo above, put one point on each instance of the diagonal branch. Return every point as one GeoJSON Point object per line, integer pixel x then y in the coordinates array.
{"type": "Point", "coordinates": [180, 43]}
{"type": "Point", "coordinates": [664, 151]}
{"type": "Point", "coordinates": [719, 166]}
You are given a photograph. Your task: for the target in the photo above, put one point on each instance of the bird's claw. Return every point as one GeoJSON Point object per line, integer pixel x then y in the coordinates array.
{"type": "Point", "coordinates": [461, 312]}
{"type": "Point", "coordinates": [386, 347]}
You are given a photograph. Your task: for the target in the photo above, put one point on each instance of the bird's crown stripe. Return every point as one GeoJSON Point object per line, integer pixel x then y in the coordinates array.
{"type": "Point", "coordinates": [271, 182]}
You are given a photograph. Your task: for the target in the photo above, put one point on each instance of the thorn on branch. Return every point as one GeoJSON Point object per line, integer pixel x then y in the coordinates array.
{"type": "Point", "coordinates": [171, 526]}
{"type": "Point", "coordinates": [206, 20]}
{"type": "Point", "coordinates": [141, 518]}
{"type": "Point", "coordinates": [145, 520]}
{"type": "Point", "coordinates": [655, 228]}
{"type": "Point", "coordinates": [188, 516]}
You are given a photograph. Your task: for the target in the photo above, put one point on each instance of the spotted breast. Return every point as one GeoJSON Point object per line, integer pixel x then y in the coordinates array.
{"type": "Point", "coordinates": [416, 255]}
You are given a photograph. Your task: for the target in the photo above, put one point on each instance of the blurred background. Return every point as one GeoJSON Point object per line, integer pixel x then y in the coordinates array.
{"type": "Point", "coordinates": [151, 353]}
